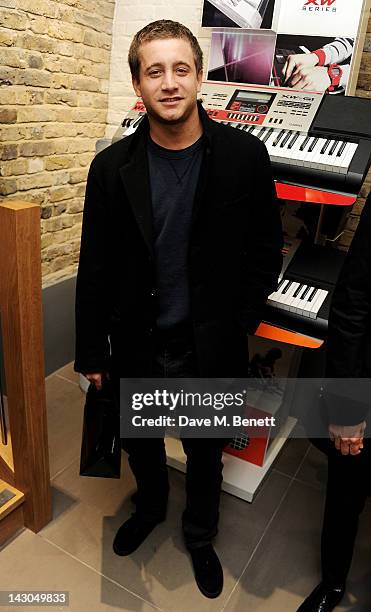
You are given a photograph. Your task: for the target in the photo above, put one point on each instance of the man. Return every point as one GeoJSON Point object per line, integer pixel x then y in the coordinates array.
{"type": "Point", "coordinates": [349, 449]}
{"type": "Point", "coordinates": [180, 248]}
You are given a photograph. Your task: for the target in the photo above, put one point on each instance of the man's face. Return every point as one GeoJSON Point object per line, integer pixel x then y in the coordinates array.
{"type": "Point", "coordinates": [168, 81]}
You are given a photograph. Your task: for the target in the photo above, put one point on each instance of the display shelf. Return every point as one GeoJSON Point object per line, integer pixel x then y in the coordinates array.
{"type": "Point", "coordinates": [278, 334]}
{"type": "Point", "coordinates": [240, 478]}
{"type": "Point", "coordinates": [298, 193]}
{"type": "Point", "coordinates": [16, 500]}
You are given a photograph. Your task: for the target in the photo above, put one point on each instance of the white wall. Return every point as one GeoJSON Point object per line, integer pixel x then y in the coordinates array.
{"type": "Point", "coordinates": [131, 16]}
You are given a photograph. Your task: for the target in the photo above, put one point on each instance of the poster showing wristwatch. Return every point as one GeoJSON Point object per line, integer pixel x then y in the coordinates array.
{"type": "Point", "coordinates": [314, 42]}
{"type": "Point", "coordinates": [313, 63]}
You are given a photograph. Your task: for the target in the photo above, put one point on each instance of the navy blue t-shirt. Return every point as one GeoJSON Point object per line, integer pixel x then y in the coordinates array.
{"type": "Point", "coordinates": [173, 176]}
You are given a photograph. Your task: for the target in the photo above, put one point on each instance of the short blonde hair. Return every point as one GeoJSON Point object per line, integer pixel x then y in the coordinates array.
{"type": "Point", "coordinates": [162, 29]}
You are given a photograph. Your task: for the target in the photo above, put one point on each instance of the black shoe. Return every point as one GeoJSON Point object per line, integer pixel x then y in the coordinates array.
{"type": "Point", "coordinates": [208, 570]}
{"type": "Point", "coordinates": [131, 535]}
{"type": "Point", "coordinates": [324, 598]}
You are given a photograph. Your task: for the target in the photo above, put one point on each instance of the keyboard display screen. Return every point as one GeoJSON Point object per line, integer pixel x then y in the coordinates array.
{"type": "Point", "coordinates": [250, 102]}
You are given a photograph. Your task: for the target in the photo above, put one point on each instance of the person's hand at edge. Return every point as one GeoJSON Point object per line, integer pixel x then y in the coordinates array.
{"type": "Point", "coordinates": [97, 378]}
{"type": "Point", "coordinates": [348, 439]}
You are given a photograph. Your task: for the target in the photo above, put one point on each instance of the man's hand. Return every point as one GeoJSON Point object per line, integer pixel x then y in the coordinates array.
{"type": "Point", "coordinates": [348, 439]}
{"type": "Point", "coordinates": [96, 379]}
{"type": "Point", "coordinates": [312, 79]}
{"type": "Point", "coordinates": [295, 63]}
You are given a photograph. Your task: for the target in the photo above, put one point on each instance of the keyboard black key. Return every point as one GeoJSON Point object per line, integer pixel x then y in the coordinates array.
{"type": "Point", "coordinates": [286, 139]}
{"type": "Point", "coordinates": [341, 150]}
{"type": "Point", "coordinates": [296, 293]}
{"type": "Point", "coordinates": [268, 134]}
{"type": "Point", "coordinates": [333, 148]}
{"type": "Point", "coordinates": [293, 140]}
{"type": "Point", "coordinates": [305, 293]}
{"type": "Point", "coordinates": [278, 138]}
{"type": "Point", "coordinates": [312, 145]}
{"type": "Point", "coordinates": [287, 287]}
{"type": "Point", "coordinates": [323, 150]}
{"type": "Point", "coordinates": [312, 295]}
{"type": "Point", "coordinates": [304, 144]}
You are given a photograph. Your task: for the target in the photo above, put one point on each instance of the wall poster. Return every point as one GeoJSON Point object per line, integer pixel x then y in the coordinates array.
{"type": "Point", "coordinates": [313, 42]}
{"type": "Point", "coordinates": [238, 13]}
{"type": "Point", "coordinates": [245, 56]}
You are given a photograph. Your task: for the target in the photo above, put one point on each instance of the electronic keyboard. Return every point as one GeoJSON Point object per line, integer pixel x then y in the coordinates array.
{"type": "Point", "coordinates": [314, 140]}
{"type": "Point", "coordinates": [303, 296]}
{"type": "Point", "coordinates": [326, 161]}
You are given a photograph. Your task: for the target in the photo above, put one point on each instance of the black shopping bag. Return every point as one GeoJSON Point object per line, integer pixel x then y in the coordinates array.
{"type": "Point", "coordinates": [101, 444]}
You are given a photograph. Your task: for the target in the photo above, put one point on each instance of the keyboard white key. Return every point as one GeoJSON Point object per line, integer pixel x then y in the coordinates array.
{"type": "Point", "coordinates": [305, 306]}
{"type": "Point", "coordinates": [276, 152]}
{"type": "Point", "coordinates": [288, 297]}
{"type": "Point", "coordinates": [256, 131]}
{"type": "Point", "coordinates": [294, 155]}
{"type": "Point", "coordinates": [283, 296]}
{"type": "Point", "coordinates": [323, 160]}
{"type": "Point", "coordinates": [345, 161]}
{"type": "Point", "coordinates": [310, 152]}
{"type": "Point", "coordinates": [314, 159]}
{"type": "Point", "coordinates": [337, 161]}
{"type": "Point", "coordinates": [269, 142]}
{"type": "Point", "coordinates": [262, 132]}
{"type": "Point", "coordinates": [297, 304]}
{"type": "Point", "coordinates": [302, 150]}
{"type": "Point", "coordinates": [298, 298]}
{"type": "Point", "coordinates": [317, 303]}
{"type": "Point", "coordinates": [274, 298]}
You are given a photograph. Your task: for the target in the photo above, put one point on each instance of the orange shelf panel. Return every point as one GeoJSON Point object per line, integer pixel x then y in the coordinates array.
{"type": "Point", "coordinates": [265, 330]}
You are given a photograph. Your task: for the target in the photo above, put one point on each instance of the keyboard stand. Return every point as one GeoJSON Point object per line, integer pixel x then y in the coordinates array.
{"type": "Point", "coordinates": [240, 478]}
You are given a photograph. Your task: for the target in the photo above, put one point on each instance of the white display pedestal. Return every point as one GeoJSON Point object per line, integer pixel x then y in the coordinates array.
{"type": "Point", "coordinates": [240, 478]}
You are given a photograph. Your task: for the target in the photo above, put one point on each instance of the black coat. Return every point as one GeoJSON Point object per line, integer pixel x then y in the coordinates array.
{"type": "Point", "coordinates": [349, 334]}
{"type": "Point", "coordinates": [234, 254]}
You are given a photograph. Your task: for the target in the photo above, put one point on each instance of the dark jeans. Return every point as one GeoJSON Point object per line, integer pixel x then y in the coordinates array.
{"type": "Point", "coordinates": [349, 483]}
{"type": "Point", "coordinates": [175, 358]}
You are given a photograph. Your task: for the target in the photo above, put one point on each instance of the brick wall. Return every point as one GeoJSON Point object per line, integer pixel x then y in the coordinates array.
{"type": "Point", "coordinates": [54, 76]}
{"type": "Point", "coordinates": [363, 90]}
